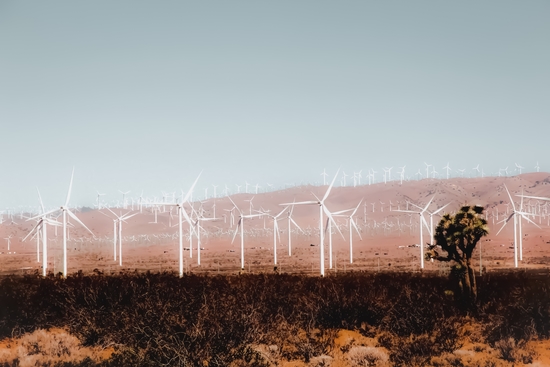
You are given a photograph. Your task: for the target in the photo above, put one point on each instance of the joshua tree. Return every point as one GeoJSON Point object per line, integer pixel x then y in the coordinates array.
{"type": "Point", "coordinates": [457, 235]}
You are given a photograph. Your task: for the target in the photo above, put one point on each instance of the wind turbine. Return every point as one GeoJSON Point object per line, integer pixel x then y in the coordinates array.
{"type": "Point", "coordinates": [322, 208]}
{"type": "Point", "coordinates": [124, 198]}
{"type": "Point", "coordinates": [199, 218]}
{"type": "Point", "coordinates": [324, 174]}
{"type": "Point", "coordinates": [421, 221]}
{"type": "Point", "coordinates": [447, 168]}
{"type": "Point", "coordinates": [183, 213]}
{"type": "Point", "coordinates": [351, 225]}
{"type": "Point", "coordinates": [98, 204]}
{"type": "Point", "coordinates": [432, 220]}
{"type": "Point", "coordinates": [9, 240]}
{"type": "Point", "coordinates": [290, 219]}
{"type": "Point", "coordinates": [240, 225]}
{"type": "Point", "coordinates": [519, 168]}
{"type": "Point", "coordinates": [120, 219]}
{"type": "Point", "coordinates": [275, 218]}
{"type": "Point", "coordinates": [64, 209]}
{"type": "Point", "coordinates": [402, 175]}
{"type": "Point", "coordinates": [476, 168]}
{"type": "Point", "coordinates": [427, 169]}
{"type": "Point", "coordinates": [42, 224]}
{"type": "Point", "coordinates": [537, 167]}
{"type": "Point", "coordinates": [514, 215]}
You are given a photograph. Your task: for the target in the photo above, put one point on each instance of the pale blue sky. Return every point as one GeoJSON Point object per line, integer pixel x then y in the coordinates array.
{"type": "Point", "coordinates": [143, 95]}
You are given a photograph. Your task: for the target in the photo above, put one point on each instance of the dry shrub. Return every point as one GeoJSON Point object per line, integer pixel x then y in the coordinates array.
{"type": "Point", "coordinates": [320, 361]}
{"type": "Point", "coordinates": [47, 348]}
{"type": "Point", "coordinates": [512, 351]}
{"type": "Point", "coordinates": [306, 344]}
{"type": "Point", "coordinates": [367, 356]}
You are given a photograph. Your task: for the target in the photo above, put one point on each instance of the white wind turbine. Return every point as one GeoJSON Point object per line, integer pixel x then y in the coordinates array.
{"type": "Point", "coordinates": [124, 198]}
{"type": "Point", "coordinates": [476, 168]}
{"type": "Point", "coordinates": [324, 174]}
{"type": "Point", "coordinates": [198, 227]}
{"type": "Point", "coordinates": [240, 225]}
{"type": "Point", "coordinates": [42, 225]}
{"type": "Point", "coordinates": [120, 219]}
{"type": "Point", "coordinates": [183, 213]}
{"type": "Point", "coordinates": [427, 169]}
{"type": "Point", "coordinates": [402, 174]}
{"type": "Point", "coordinates": [519, 168]}
{"type": "Point", "coordinates": [421, 222]}
{"type": "Point", "coordinates": [322, 208]}
{"type": "Point", "coordinates": [9, 240]}
{"type": "Point", "coordinates": [517, 222]}
{"type": "Point", "coordinates": [98, 203]}
{"type": "Point", "coordinates": [64, 211]}
{"type": "Point", "coordinates": [351, 225]}
{"type": "Point", "coordinates": [431, 214]}
{"type": "Point", "coordinates": [328, 227]}
{"type": "Point", "coordinates": [447, 168]}
{"type": "Point", "coordinates": [290, 219]}
{"type": "Point", "coordinates": [276, 234]}
{"type": "Point", "coordinates": [537, 167]}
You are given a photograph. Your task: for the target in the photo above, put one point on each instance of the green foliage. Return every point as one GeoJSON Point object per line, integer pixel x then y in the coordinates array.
{"type": "Point", "coordinates": [457, 235]}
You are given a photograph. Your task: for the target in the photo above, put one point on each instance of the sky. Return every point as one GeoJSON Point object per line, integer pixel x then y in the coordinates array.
{"type": "Point", "coordinates": [143, 95]}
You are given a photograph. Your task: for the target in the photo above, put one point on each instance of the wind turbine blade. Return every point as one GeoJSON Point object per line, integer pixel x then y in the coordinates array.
{"type": "Point", "coordinates": [427, 205]}
{"type": "Point", "coordinates": [338, 213]}
{"type": "Point", "coordinates": [278, 234]}
{"type": "Point", "coordinates": [40, 199]}
{"type": "Point", "coordinates": [297, 226]}
{"type": "Point", "coordinates": [32, 230]}
{"type": "Point", "coordinates": [521, 202]}
{"type": "Point", "coordinates": [505, 222]}
{"type": "Point", "coordinates": [282, 211]}
{"type": "Point", "coordinates": [78, 220]}
{"type": "Point", "coordinates": [235, 205]}
{"type": "Point", "coordinates": [109, 209]}
{"type": "Point", "coordinates": [328, 214]}
{"type": "Point", "coordinates": [43, 215]}
{"type": "Point", "coordinates": [130, 216]}
{"type": "Point", "coordinates": [510, 196]}
{"type": "Point", "coordinates": [331, 184]}
{"type": "Point", "coordinates": [190, 191]}
{"type": "Point", "coordinates": [357, 207]}
{"type": "Point", "coordinates": [301, 203]}
{"type": "Point", "coordinates": [527, 219]}
{"type": "Point", "coordinates": [440, 209]}
{"type": "Point", "coordinates": [236, 230]}
{"type": "Point", "coordinates": [534, 197]}
{"type": "Point", "coordinates": [356, 229]}
{"type": "Point", "coordinates": [419, 207]}
{"type": "Point", "coordinates": [425, 223]}
{"type": "Point", "coordinates": [70, 188]}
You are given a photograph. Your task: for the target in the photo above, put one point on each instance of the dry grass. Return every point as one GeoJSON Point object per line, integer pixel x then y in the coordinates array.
{"type": "Point", "coordinates": [47, 348]}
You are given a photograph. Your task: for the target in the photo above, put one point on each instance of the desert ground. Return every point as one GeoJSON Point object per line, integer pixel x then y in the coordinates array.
{"type": "Point", "coordinates": [389, 238]}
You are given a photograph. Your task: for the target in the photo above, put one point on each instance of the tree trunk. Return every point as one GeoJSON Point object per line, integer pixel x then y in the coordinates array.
{"type": "Point", "coordinates": [472, 281]}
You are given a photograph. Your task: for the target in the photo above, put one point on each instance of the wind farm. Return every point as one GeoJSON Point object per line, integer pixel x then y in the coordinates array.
{"type": "Point", "coordinates": [156, 230]}
{"type": "Point", "coordinates": [274, 183]}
